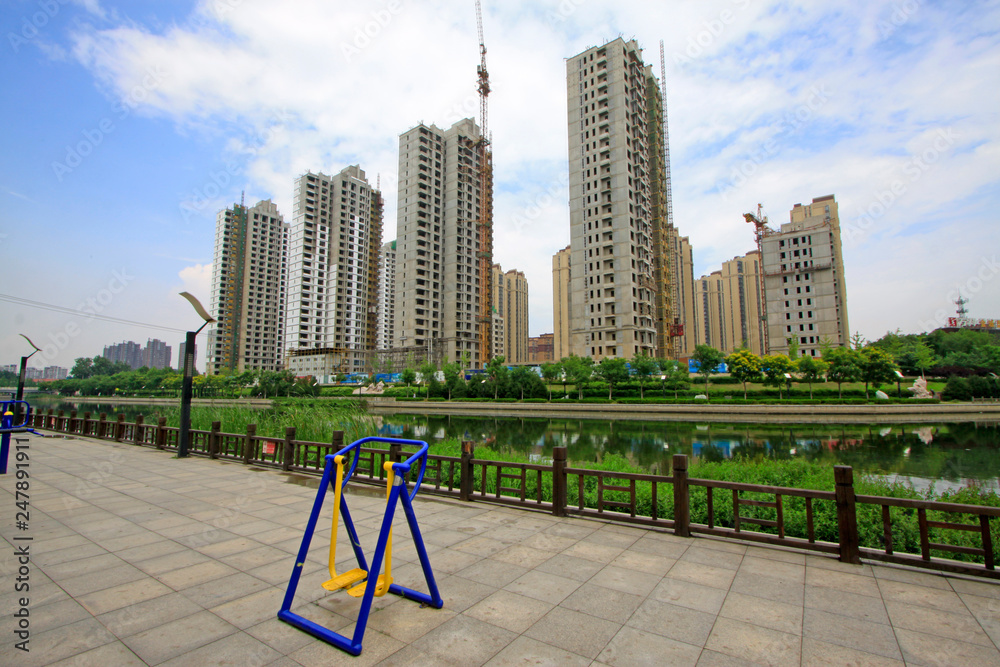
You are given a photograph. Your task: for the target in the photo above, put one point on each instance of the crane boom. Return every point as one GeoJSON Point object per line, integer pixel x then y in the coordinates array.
{"type": "Point", "coordinates": [761, 229]}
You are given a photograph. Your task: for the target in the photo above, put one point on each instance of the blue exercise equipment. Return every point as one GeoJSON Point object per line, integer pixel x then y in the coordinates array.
{"type": "Point", "coordinates": [7, 427]}
{"type": "Point", "coordinates": [358, 581]}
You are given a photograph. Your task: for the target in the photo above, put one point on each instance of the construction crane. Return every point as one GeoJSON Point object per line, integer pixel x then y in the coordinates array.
{"type": "Point", "coordinates": [484, 223]}
{"type": "Point", "coordinates": [761, 229]}
{"type": "Point", "coordinates": [675, 328]}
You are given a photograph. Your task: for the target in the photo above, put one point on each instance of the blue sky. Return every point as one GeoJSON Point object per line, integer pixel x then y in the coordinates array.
{"type": "Point", "coordinates": [128, 125]}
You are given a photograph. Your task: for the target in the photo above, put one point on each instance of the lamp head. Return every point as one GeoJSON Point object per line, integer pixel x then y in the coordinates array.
{"type": "Point", "coordinates": [200, 309]}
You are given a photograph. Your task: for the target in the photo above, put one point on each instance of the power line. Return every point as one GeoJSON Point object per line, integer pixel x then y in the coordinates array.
{"type": "Point", "coordinates": [94, 316]}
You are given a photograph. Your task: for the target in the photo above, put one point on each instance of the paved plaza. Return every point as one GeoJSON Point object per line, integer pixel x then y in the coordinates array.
{"type": "Point", "coordinates": [140, 558]}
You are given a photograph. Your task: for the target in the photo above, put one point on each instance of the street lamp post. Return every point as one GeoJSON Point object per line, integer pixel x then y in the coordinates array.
{"type": "Point", "coordinates": [183, 437]}
{"type": "Point", "coordinates": [20, 379]}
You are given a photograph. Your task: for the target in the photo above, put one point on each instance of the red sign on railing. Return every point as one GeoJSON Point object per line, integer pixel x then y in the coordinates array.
{"type": "Point", "coordinates": [270, 448]}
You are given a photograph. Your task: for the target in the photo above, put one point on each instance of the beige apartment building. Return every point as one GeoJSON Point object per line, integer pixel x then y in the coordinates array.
{"type": "Point", "coordinates": [248, 289]}
{"type": "Point", "coordinates": [729, 313]}
{"type": "Point", "coordinates": [334, 244]}
{"type": "Point", "coordinates": [613, 290]}
{"type": "Point", "coordinates": [804, 282]}
{"type": "Point", "coordinates": [561, 304]}
{"type": "Point", "coordinates": [386, 314]}
{"type": "Point", "coordinates": [437, 282]}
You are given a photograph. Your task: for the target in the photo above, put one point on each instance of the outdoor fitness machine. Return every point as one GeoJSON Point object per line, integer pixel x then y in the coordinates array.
{"type": "Point", "coordinates": [7, 427]}
{"type": "Point", "coordinates": [359, 582]}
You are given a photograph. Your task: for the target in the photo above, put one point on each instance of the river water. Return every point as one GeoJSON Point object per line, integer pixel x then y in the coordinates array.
{"type": "Point", "coordinates": [947, 455]}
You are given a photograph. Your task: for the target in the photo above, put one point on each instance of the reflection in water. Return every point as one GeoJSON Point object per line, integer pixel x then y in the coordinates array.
{"type": "Point", "coordinates": [955, 454]}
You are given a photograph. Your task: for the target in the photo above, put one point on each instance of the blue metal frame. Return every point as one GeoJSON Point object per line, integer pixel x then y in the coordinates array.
{"type": "Point", "coordinates": [433, 599]}
{"type": "Point", "coordinates": [7, 427]}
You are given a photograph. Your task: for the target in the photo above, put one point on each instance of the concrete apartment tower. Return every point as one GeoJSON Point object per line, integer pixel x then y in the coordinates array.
{"type": "Point", "coordinates": [248, 289]}
{"type": "Point", "coordinates": [498, 286]}
{"type": "Point", "coordinates": [510, 303]}
{"type": "Point", "coordinates": [437, 282]}
{"type": "Point", "coordinates": [333, 265]}
{"type": "Point", "coordinates": [384, 334]}
{"type": "Point", "coordinates": [684, 275]}
{"type": "Point", "coordinates": [611, 217]}
{"type": "Point", "coordinates": [561, 304]}
{"type": "Point", "coordinates": [729, 313]}
{"type": "Point", "coordinates": [804, 283]}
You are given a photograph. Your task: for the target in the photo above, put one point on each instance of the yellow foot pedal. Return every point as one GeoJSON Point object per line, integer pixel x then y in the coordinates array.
{"type": "Point", "coordinates": [381, 587]}
{"type": "Point", "coordinates": [346, 579]}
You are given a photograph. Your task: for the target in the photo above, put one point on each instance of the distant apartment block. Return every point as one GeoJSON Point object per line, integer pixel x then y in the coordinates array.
{"type": "Point", "coordinates": [510, 305]}
{"type": "Point", "coordinates": [333, 271]}
{"type": "Point", "coordinates": [156, 354]}
{"type": "Point", "coordinates": [729, 313]}
{"type": "Point", "coordinates": [180, 358]}
{"type": "Point", "coordinates": [384, 334]}
{"type": "Point", "coordinates": [55, 373]}
{"type": "Point", "coordinates": [804, 282]}
{"type": "Point", "coordinates": [248, 289]}
{"type": "Point", "coordinates": [127, 352]}
{"type": "Point", "coordinates": [685, 287]}
{"type": "Point", "coordinates": [611, 197]}
{"type": "Point", "coordinates": [437, 281]}
{"type": "Point", "coordinates": [561, 303]}
{"type": "Point", "coordinates": [540, 349]}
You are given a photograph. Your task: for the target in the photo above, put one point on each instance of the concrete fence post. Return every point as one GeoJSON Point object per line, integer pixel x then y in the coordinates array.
{"type": "Point", "coordinates": [847, 516]}
{"type": "Point", "coordinates": [161, 432]}
{"type": "Point", "coordinates": [137, 430]}
{"type": "Point", "coordinates": [248, 443]}
{"type": "Point", "coordinates": [289, 450]}
{"type": "Point", "coordinates": [559, 481]}
{"type": "Point", "coordinates": [465, 470]}
{"type": "Point", "coordinates": [213, 440]}
{"type": "Point", "coordinates": [682, 496]}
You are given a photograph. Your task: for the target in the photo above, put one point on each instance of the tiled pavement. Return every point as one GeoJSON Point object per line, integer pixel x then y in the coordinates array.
{"type": "Point", "coordinates": [140, 558]}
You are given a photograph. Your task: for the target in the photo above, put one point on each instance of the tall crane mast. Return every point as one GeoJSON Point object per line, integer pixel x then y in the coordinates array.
{"type": "Point", "coordinates": [484, 225]}
{"type": "Point", "coordinates": [761, 229]}
{"type": "Point", "coordinates": [675, 328]}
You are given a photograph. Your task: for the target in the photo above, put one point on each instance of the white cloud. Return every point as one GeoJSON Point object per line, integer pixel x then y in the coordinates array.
{"type": "Point", "coordinates": [331, 84]}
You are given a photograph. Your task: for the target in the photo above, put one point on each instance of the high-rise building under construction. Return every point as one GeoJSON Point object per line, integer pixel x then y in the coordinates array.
{"type": "Point", "coordinates": [438, 290]}
{"type": "Point", "coordinates": [622, 280]}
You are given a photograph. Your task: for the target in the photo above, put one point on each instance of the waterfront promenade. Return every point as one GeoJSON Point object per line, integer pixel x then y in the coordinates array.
{"type": "Point", "coordinates": [139, 558]}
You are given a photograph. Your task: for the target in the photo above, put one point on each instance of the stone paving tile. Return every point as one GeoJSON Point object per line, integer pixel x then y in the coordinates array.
{"type": "Point", "coordinates": [528, 651]}
{"type": "Point", "coordinates": [769, 588]}
{"type": "Point", "coordinates": [714, 557]}
{"type": "Point", "coordinates": [816, 653]}
{"type": "Point", "coordinates": [250, 610]}
{"type": "Point", "coordinates": [60, 643]}
{"type": "Point", "coordinates": [55, 615]}
{"type": "Point", "coordinates": [509, 611]}
{"type": "Point", "coordinates": [101, 579]}
{"type": "Point", "coordinates": [846, 604]}
{"type": "Point", "coordinates": [754, 643]}
{"type": "Point", "coordinates": [987, 612]}
{"type": "Point", "coordinates": [219, 591]}
{"type": "Point", "coordinates": [922, 649]}
{"type": "Point", "coordinates": [463, 640]}
{"type": "Point", "coordinates": [980, 588]}
{"type": "Point", "coordinates": [651, 564]}
{"type": "Point", "coordinates": [776, 569]}
{"type": "Point", "coordinates": [705, 575]}
{"type": "Point", "coordinates": [929, 621]}
{"type": "Point", "coordinates": [848, 582]}
{"type": "Point", "coordinates": [573, 631]}
{"type": "Point", "coordinates": [143, 616]}
{"type": "Point", "coordinates": [543, 586]}
{"type": "Point", "coordinates": [116, 654]}
{"type": "Point", "coordinates": [690, 595]}
{"type": "Point", "coordinates": [518, 554]}
{"type": "Point", "coordinates": [492, 572]}
{"type": "Point", "coordinates": [571, 567]}
{"type": "Point", "coordinates": [123, 595]}
{"type": "Point", "coordinates": [236, 649]}
{"type": "Point", "coordinates": [765, 613]}
{"type": "Point", "coordinates": [668, 620]}
{"type": "Point", "coordinates": [626, 581]}
{"type": "Point", "coordinates": [280, 636]}
{"type": "Point", "coordinates": [603, 602]}
{"type": "Point", "coordinates": [944, 600]}
{"type": "Point", "coordinates": [192, 575]}
{"type": "Point", "coordinates": [850, 632]}
{"type": "Point", "coordinates": [161, 643]}
{"type": "Point", "coordinates": [631, 647]}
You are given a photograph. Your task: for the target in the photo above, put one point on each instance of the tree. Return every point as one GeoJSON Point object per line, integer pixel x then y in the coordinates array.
{"type": "Point", "coordinates": [811, 370]}
{"type": "Point", "coordinates": [793, 347]}
{"type": "Point", "coordinates": [858, 341]}
{"type": "Point", "coordinates": [643, 367]}
{"type": "Point", "coordinates": [551, 372]}
{"type": "Point", "coordinates": [497, 371]}
{"type": "Point", "coordinates": [409, 376]}
{"type": "Point", "coordinates": [842, 366]}
{"type": "Point", "coordinates": [776, 367]}
{"type": "Point", "coordinates": [675, 375]}
{"type": "Point", "coordinates": [523, 379]}
{"type": "Point", "coordinates": [427, 372]}
{"type": "Point", "coordinates": [744, 365]}
{"type": "Point", "coordinates": [612, 370]}
{"type": "Point", "coordinates": [877, 367]}
{"type": "Point", "coordinates": [579, 370]}
{"type": "Point", "coordinates": [708, 359]}
{"type": "Point", "coordinates": [83, 368]}
{"type": "Point", "coordinates": [452, 375]}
